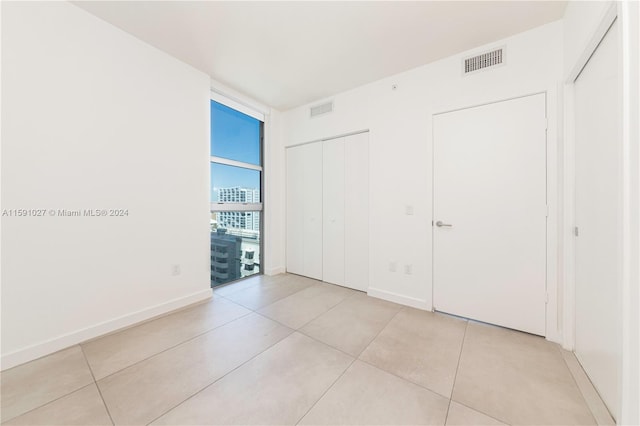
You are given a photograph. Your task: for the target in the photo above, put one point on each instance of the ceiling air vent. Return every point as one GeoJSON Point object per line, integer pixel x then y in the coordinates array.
{"type": "Point", "coordinates": [484, 60]}
{"type": "Point", "coordinates": [321, 109]}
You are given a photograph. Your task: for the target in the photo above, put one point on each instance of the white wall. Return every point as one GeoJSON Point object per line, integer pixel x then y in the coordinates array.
{"type": "Point", "coordinates": [274, 211]}
{"type": "Point", "coordinates": [581, 18]}
{"type": "Point", "coordinates": [93, 118]}
{"type": "Point", "coordinates": [401, 150]}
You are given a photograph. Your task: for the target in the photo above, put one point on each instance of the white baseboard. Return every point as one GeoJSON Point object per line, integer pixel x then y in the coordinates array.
{"type": "Point", "coordinates": [66, 340]}
{"type": "Point", "coordinates": [399, 298]}
{"type": "Point", "coordinates": [554, 336]}
{"type": "Point", "coordinates": [591, 396]}
{"type": "Point", "coordinates": [275, 271]}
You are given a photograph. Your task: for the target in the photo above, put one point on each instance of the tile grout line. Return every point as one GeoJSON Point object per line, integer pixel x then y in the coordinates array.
{"type": "Point", "coordinates": [451, 400]}
{"type": "Point", "coordinates": [422, 387]}
{"type": "Point", "coordinates": [455, 376]}
{"type": "Point", "coordinates": [174, 346]}
{"type": "Point", "coordinates": [299, 330]}
{"type": "Point", "coordinates": [330, 309]}
{"type": "Point", "coordinates": [47, 403]}
{"type": "Point", "coordinates": [481, 412]}
{"type": "Point", "coordinates": [261, 307]}
{"type": "Point", "coordinates": [391, 372]}
{"type": "Point", "coordinates": [312, 319]}
{"type": "Point", "coordinates": [446, 416]}
{"type": "Point", "coordinates": [95, 382]}
{"type": "Point", "coordinates": [257, 310]}
{"type": "Point", "coordinates": [292, 294]}
{"type": "Point", "coordinates": [326, 390]}
{"type": "Point", "coordinates": [403, 308]}
{"type": "Point", "coordinates": [310, 337]}
{"type": "Point", "coordinates": [346, 369]}
{"type": "Point", "coordinates": [79, 345]}
{"type": "Point", "coordinates": [403, 378]}
{"type": "Point", "coordinates": [279, 281]}
{"type": "Point", "coordinates": [325, 343]}
{"type": "Point", "coordinates": [221, 286]}
{"type": "Point", "coordinates": [380, 332]}
{"type": "Point", "coordinates": [223, 376]}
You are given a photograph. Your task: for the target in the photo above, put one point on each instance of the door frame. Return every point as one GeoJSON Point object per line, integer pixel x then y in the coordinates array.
{"type": "Point", "coordinates": [552, 325]}
{"type": "Point", "coordinates": [628, 411]}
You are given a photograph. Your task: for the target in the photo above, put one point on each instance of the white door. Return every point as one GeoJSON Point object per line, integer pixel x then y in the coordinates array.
{"type": "Point", "coordinates": [304, 210]}
{"type": "Point", "coordinates": [489, 234]}
{"type": "Point", "coordinates": [598, 148]}
{"type": "Point", "coordinates": [312, 232]}
{"type": "Point", "coordinates": [333, 205]}
{"type": "Point", "coordinates": [357, 211]}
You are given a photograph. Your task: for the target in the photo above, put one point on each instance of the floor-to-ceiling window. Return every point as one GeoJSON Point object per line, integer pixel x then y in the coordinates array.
{"type": "Point", "coordinates": [236, 194]}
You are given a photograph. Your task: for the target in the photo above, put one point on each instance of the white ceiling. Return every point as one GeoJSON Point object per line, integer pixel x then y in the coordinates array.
{"type": "Point", "coordinates": [286, 54]}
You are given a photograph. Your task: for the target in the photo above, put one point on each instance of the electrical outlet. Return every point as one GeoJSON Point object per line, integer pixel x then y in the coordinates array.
{"type": "Point", "coordinates": [392, 266]}
{"type": "Point", "coordinates": [175, 270]}
{"type": "Point", "coordinates": [408, 269]}
{"type": "Point", "coordinates": [408, 210]}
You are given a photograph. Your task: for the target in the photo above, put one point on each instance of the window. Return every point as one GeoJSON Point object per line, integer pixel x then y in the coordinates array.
{"type": "Point", "coordinates": [236, 194]}
{"type": "Point", "coordinates": [234, 135]}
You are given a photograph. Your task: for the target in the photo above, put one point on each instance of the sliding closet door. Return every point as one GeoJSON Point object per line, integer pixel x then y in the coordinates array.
{"type": "Point", "coordinates": [333, 206]}
{"type": "Point", "coordinates": [598, 155]}
{"type": "Point", "coordinates": [356, 221]}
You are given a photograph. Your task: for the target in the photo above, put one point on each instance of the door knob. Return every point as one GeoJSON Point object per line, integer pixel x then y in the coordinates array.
{"type": "Point", "coordinates": [440, 224]}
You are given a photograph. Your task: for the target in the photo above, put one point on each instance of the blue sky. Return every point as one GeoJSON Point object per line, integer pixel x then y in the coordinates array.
{"type": "Point", "coordinates": [235, 136]}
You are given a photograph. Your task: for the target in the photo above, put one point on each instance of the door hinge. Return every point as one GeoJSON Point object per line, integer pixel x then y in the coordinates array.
{"type": "Point", "coordinates": [576, 231]}
{"type": "Point", "coordinates": [546, 297]}
{"type": "Point", "coordinates": [547, 210]}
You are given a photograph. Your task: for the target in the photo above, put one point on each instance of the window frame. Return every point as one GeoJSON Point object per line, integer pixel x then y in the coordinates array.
{"type": "Point", "coordinates": [216, 207]}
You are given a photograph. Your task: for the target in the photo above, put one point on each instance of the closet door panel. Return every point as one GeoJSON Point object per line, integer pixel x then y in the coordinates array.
{"type": "Point", "coordinates": [356, 195]}
{"type": "Point", "coordinates": [312, 205]}
{"type": "Point", "coordinates": [333, 205]}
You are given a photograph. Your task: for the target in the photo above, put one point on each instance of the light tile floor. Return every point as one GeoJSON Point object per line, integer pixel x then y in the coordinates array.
{"type": "Point", "coordinates": [291, 350]}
